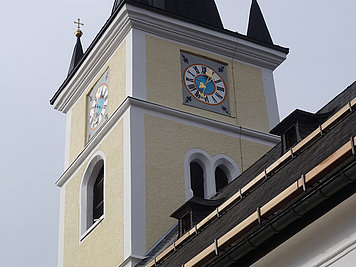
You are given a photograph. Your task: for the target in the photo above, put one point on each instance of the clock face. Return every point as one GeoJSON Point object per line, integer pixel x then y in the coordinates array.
{"type": "Point", "coordinates": [204, 84]}
{"type": "Point", "coordinates": [98, 105]}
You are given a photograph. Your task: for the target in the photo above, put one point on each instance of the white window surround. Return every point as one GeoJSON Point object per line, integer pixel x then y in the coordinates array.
{"type": "Point", "coordinates": [86, 194]}
{"type": "Point", "coordinates": [208, 165]}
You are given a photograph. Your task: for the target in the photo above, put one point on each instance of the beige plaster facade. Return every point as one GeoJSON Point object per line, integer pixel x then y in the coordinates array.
{"type": "Point", "coordinates": [106, 239]}
{"type": "Point", "coordinates": [246, 91]}
{"type": "Point", "coordinates": [167, 143]}
{"type": "Point", "coordinates": [117, 94]}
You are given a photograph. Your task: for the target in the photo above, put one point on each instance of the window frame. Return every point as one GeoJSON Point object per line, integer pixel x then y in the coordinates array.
{"type": "Point", "coordinates": [86, 221]}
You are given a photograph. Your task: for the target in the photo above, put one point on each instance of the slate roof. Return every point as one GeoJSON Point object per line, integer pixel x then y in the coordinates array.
{"type": "Point", "coordinates": [204, 11]}
{"type": "Point", "coordinates": [311, 156]}
{"type": "Point", "coordinates": [77, 55]}
{"type": "Point", "coordinates": [257, 27]}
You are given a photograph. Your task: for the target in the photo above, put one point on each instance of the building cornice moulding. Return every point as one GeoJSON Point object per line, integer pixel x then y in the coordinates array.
{"type": "Point", "coordinates": [94, 62]}
{"type": "Point", "coordinates": [129, 102]}
{"type": "Point", "coordinates": [228, 45]}
{"type": "Point", "coordinates": [131, 16]}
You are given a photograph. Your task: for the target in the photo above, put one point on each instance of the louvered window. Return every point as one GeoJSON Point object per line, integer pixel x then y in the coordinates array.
{"type": "Point", "coordinates": [197, 179]}
{"type": "Point", "coordinates": [220, 179]}
{"type": "Point", "coordinates": [98, 195]}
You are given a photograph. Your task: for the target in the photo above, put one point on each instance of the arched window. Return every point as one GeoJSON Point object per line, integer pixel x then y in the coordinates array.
{"type": "Point", "coordinates": [98, 196]}
{"type": "Point", "coordinates": [221, 179]}
{"type": "Point", "coordinates": [197, 179]}
{"type": "Point", "coordinates": [92, 195]}
{"type": "Point", "coordinates": [205, 175]}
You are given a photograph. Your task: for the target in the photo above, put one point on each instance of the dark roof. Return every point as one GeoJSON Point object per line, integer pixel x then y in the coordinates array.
{"type": "Point", "coordinates": [257, 27]}
{"type": "Point", "coordinates": [301, 117]}
{"type": "Point", "coordinates": [282, 178]}
{"type": "Point", "coordinates": [111, 18]}
{"type": "Point", "coordinates": [77, 55]}
{"type": "Point", "coordinates": [203, 11]}
{"type": "Point", "coordinates": [340, 100]}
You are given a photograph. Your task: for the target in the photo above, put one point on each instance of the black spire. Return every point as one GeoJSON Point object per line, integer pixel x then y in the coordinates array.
{"type": "Point", "coordinates": [257, 28]}
{"type": "Point", "coordinates": [204, 11]}
{"type": "Point", "coordinates": [78, 49]}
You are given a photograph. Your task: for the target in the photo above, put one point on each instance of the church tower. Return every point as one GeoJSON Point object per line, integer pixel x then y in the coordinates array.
{"type": "Point", "coordinates": [163, 106]}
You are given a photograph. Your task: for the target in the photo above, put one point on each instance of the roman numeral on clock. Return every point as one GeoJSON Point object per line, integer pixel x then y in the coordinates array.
{"type": "Point", "coordinates": [196, 69]}
{"type": "Point", "coordinates": [218, 95]}
{"type": "Point", "coordinates": [220, 89]}
{"type": "Point", "coordinates": [192, 87]}
{"type": "Point", "coordinates": [191, 73]}
{"type": "Point", "coordinates": [189, 79]}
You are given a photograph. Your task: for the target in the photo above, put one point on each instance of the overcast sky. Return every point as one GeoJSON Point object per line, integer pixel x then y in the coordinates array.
{"type": "Point", "coordinates": [37, 39]}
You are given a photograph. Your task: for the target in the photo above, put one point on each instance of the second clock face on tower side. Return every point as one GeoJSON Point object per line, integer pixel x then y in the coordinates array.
{"type": "Point", "coordinates": [98, 105]}
{"type": "Point", "coordinates": [204, 84]}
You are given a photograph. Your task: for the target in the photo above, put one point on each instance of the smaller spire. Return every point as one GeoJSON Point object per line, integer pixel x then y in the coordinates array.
{"type": "Point", "coordinates": [78, 49]}
{"type": "Point", "coordinates": [257, 27]}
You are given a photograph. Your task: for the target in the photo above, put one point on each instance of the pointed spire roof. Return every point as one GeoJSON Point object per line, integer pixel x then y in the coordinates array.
{"type": "Point", "coordinates": [257, 27]}
{"type": "Point", "coordinates": [78, 49]}
{"type": "Point", "coordinates": [203, 11]}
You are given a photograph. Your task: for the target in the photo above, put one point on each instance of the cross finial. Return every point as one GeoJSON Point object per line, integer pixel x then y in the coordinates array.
{"type": "Point", "coordinates": [78, 32]}
{"type": "Point", "coordinates": [78, 23]}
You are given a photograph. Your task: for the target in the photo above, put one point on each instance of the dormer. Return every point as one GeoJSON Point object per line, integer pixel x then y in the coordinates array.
{"type": "Point", "coordinates": [297, 126]}
{"type": "Point", "coordinates": [192, 212]}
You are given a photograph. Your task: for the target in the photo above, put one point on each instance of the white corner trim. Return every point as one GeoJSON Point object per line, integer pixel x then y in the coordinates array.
{"type": "Point", "coordinates": [129, 63]}
{"type": "Point", "coordinates": [209, 165]}
{"type": "Point", "coordinates": [138, 181]}
{"type": "Point", "coordinates": [127, 184]}
{"type": "Point", "coordinates": [67, 138]}
{"type": "Point", "coordinates": [271, 98]}
{"type": "Point", "coordinates": [138, 64]}
{"type": "Point", "coordinates": [177, 115]}
{"type": "Point", "coordinates": [131, 261]}
{"type": "Point", "coordinates": [61, 226]}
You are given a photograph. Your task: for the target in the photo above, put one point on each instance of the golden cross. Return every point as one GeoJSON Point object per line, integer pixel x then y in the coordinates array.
{"type": "Point", "coordinates": [78, 23]}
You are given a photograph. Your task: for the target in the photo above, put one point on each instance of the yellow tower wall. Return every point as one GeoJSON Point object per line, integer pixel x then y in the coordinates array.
{"type": "Point", "coordinates": [246, 91]}
{"type": "Point", "coordinates": [104, 245]}
{"type": "Point", "coordinates": [117, 94]}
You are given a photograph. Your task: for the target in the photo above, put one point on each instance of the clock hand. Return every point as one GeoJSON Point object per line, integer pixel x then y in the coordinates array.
{"type": "Point", "coordinates": [202, 85]}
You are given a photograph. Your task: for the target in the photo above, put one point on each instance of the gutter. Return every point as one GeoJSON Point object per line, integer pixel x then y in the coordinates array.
{"type": "Point", "coordinates": [289, 215]}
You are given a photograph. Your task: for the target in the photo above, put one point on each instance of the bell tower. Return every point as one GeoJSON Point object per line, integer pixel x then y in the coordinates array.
{"type": "Point", "coordinates": [163, 106]}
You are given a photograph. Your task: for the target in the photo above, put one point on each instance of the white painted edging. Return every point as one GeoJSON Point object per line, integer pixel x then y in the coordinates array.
{"type": "Point", "coordinates": [213, 125]}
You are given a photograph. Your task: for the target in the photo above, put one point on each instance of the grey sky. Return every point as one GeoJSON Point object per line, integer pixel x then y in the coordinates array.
{"type": "Point", "coordinates": [37, 42]}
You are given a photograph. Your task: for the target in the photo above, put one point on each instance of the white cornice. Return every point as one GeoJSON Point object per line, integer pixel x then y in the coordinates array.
{"type": "Point", "coordinates": [205, 38]}
{"type": "Point", "coordinates": [147, 107]}
{"type": "Point", "coordinates": [94, 62]}
{"type": "Point", "coordinates": [156, 23]}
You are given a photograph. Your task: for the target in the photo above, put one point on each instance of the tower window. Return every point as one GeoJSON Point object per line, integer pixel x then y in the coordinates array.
{"type": "Point", "coordinates": [197, 179]}
{"type": "Point", "coordinates": [92, 196]}
{"type": "Point", "coordinates": [221, 179]}
{"type": "Point", "coordinates": [186, 223]}
{"type": "Point", "coordinates": [98, 196]}
{"type": "Point", "coordinates": [290, 137]}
